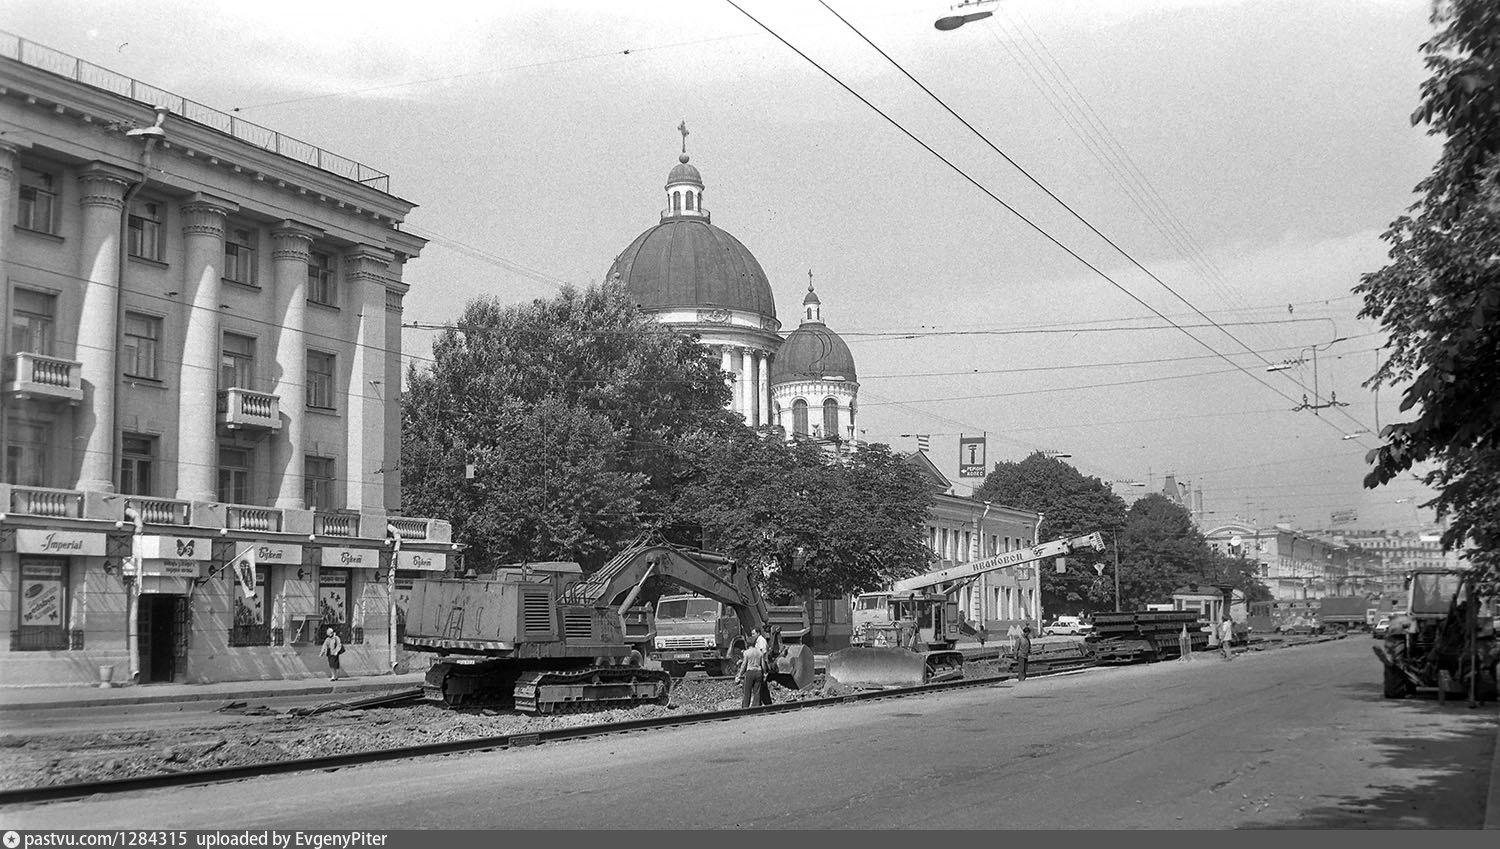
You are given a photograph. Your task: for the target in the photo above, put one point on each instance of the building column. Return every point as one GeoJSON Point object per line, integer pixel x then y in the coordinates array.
{"type": "Point", "coordinates": [726, 366]}
{"type": "Point", "coordinates": [9, 156]}
{"type": "Point", "coordinates": [102, 196]}
{"type": "Point", "coordinates": [763, 390]}
{"type": "Point", "coordinates": [203, 224]}
{"type": "Point", "coordinates": [747, 385]}
{"type": "Point", "coordinates": [366, 270]}
{"type": "Point", "coordinates": [291, 248]}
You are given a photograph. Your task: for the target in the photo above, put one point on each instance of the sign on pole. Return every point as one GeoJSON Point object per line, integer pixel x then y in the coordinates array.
{"type": "Point", "coordinates": [971, 457]}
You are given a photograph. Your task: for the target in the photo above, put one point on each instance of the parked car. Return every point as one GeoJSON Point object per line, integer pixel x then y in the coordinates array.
{"type": "Point", "coordinates": [1068, 626]}
{"type": "Point", "coordinates": [1382, 626]}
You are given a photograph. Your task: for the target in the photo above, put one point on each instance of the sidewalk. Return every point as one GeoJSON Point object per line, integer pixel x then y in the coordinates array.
{"type": "Point", "coordinates": [46, 698]}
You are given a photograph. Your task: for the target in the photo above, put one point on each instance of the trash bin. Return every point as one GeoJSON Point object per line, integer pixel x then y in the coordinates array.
{"type": "Point", "coordinates": [106, 676]}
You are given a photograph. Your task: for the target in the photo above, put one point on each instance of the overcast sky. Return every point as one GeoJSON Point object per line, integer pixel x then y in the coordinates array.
{"type": "Point", "coordinates": [1246, 156]}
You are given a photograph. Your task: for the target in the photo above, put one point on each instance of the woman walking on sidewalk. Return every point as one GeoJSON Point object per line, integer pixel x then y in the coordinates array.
{"type": "Point", "coordinates": [332, 648]}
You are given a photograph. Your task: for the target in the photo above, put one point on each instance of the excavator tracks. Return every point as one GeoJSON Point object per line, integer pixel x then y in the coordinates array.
{"type": "Point", "coordinates": [566, 691]}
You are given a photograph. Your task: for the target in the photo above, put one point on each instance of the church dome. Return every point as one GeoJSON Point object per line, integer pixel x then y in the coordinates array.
{"type": "Point", "coordinates": [812, 352]}
{"type": "Point", "coordinates": [687, 262]}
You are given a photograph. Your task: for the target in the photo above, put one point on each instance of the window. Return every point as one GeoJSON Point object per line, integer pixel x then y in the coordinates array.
{"type": "Point", "coordinates": [26, 454]}
{"type": "Point", "coordinates": [237, 362]}
{"type": "Point", "coordinates": [234, 475]}
{"type": "Point", "coordinates": [137, 455]}
{"type": "Point", "coordinates": [321, 286]}
{"type": "Point", "coordinates": [318, 482]}
{"type": "Point", "coordinates": [32, 321]}
{"type": "Point", "coordinates": [333, 603]}
{"type": "Point", "coordinates": [239, 256]}
{"type": "Point", "coordinates": [145, 231]}
{"type": "Point", "coordinates": [39, 202]}
{"type": "Point", "coordinates": [43, 602]}
{"type": "Point", "coordinates": [831, 418]}
{"type": "Point", "coordinates": [320, 380]}
{"type": "Point", "coordinates": [799, 417]}
{"type": "Point", "coordinates": [251, 627]}
{"type": "Point", "coordinates": [141, 355]}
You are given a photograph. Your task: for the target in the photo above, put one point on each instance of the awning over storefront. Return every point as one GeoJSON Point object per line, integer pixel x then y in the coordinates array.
{"type": "Point", "coordinates": [59, 543]}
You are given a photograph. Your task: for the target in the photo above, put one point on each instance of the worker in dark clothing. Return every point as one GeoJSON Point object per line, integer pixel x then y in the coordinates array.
{"type": "Point", "coordinates": [1023, 652]}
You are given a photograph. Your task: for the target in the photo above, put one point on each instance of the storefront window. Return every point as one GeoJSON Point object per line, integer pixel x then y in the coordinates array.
{"type": "Point", "coordinates": [43, 616]}
{"type": "Point", "coordinates": [250, 627]}
{"type": "Point", "coordinates": [333, 603]}
{"type": "Point", "coordinates": [403, 600]}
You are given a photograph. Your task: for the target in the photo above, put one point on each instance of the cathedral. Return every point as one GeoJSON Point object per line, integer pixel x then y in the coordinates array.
{"type": "Point", "coordinates": [697, 277]}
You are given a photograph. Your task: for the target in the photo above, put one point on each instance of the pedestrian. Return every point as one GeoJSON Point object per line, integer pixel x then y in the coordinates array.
{"type": "Point", "coordinates": [759, 638]}
{"type": "Point", "coordinates": [1023, 652]}
{"type": "Point", "coordinates": [751, 676]}
{"type": "Point", "coordinates": [1226, 636]}
{"type": "Point", "coordinates": [332, 648]}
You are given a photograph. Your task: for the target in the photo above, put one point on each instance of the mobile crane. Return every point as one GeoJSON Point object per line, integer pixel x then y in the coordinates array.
{"type": "Point", "coordinates": [543, 638]}
{"type": "Point", "coordinates": [917, 642]}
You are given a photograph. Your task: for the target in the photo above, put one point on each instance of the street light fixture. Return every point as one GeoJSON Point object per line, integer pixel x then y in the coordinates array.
{"type": "Point", "coordinates": [953, 22]}
{"type": "Point", "coordinates": [1356, 434]}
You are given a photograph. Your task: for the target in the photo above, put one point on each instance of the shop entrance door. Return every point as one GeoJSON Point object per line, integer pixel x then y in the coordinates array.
{"type": "Point", "coordinates": [158, 636]}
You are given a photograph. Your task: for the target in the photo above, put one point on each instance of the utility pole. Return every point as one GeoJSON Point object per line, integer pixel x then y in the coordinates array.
{"type": "Point", "coordinates": [1116, 541]}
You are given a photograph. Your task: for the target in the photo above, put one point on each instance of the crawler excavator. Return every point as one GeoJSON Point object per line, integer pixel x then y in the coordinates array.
{"type": "Point", "coordinates": [545, 638]}
{"type": "Point", "coordinates": [918, 643]}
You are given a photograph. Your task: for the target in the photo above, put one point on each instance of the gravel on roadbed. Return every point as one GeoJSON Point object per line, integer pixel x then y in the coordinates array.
{"type": "Point", "coordinates": [268, 735]}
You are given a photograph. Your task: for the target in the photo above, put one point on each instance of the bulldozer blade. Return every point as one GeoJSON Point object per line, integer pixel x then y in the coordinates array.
{"type": "Point", "coordinates": [794, 667]}
{"type": "Point", "coordinates": [877, 666]}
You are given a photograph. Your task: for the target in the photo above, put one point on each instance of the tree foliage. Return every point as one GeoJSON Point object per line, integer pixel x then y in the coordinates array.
{"type": "Point", "coordinates": [817, 525]}
{"type": "Point", "coordinates": [1071, 504]}
{"type": "Point", "coordinates": [1161, 550]}
{"type": "Point", "coordinates": [1439, 298]}
{"type": "Point", "coordinates": [570, 412]}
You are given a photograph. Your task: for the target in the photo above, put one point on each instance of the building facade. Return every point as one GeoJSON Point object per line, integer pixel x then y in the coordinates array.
{"type": "Point", "coordinates": [201, 390]}
{"type": "Point", "coordinates": [1295, 565]}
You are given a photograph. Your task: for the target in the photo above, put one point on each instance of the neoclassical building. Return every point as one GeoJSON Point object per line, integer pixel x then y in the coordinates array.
{"type": "Point", "coordinates": [699, 278]}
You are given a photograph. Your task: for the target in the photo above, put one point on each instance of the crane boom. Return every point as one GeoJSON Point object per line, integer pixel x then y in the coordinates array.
{"type": "Point", "coordinates": [1055, 548]}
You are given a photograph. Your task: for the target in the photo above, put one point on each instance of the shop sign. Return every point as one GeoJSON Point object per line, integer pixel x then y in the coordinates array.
{"type": "Point", "coordinates": [275, 554]}
{"type": "Point", "coordinates": [173, 548]}
{"type": "Point", "coordinates": [166, 568]}
{"type": "Point", "coordinates": [350, 558]}
{"type": "Point", "coordinates": [426, 561]}
{"type": "Point", "coordinates": [59, 543]}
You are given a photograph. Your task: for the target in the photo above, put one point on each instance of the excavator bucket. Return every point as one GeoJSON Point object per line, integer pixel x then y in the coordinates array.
{"type": "Point", "coordinates": [794, 667]}
{"type": "Point", "coordinates": [877, 666]}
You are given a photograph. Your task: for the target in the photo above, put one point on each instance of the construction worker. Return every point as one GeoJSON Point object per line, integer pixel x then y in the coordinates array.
{"type": "Point", "coordinates": [751, 676]}
{"type": "Point", "coordinates": [1023, 652]}
{"type": "Point", "coordinates": [1226, 636]}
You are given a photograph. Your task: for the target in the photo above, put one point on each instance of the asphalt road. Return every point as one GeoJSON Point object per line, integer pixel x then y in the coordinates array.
{"type": "Point", "coordinates": [1293, 738]}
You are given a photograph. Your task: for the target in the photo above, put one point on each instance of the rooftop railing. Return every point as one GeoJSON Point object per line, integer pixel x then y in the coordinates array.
{"type": "Point", "coordinates": [57, 62]}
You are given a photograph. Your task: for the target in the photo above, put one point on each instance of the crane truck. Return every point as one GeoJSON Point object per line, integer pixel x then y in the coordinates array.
{"type": "Point", "coordinates": [916, 643]}
{"type": "Point", "coordinates": [545, 638]}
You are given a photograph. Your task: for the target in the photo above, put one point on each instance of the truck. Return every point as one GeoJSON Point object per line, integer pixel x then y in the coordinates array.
{"type": "Point", "coordinates": [1444, 640]}
{"type": "Point", "coordinates": [545, 638]}
{"type": "Point", "coordinates": [916, 642]}
{"type": "Point", "coordinates": [697, 632]}
{"type": "Point", "coordinates": [1341, 614]}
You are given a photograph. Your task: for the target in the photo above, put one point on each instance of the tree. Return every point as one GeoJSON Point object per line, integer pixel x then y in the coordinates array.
{"type": "Point", "coordinates": [570, 413]}
{"type": "Point", "coordinates": [816, 525]}
{"type": "Point", "coordinates": [1071, 505]}
{"type": "Point", "coordinates": [1439, 298]}
{"type": "Point", "coordinates": [1160, 550]}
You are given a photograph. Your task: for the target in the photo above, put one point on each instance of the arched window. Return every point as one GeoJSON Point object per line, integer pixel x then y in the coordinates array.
{"type": "Point", "coordinates": [799, 417]}
{"type": "Point", "coordinates": [677, 201]}
{"type": "Point", "coordinates": [830, 417]}
{"type": "Point", "coordinates": [690, 201]}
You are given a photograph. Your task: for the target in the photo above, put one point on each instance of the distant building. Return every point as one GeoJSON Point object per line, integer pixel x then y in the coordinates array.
{"type": "Point", "coordinates": [1294, 564]}
{"type": "Point", "coordinates": [1394, 554]}
{"type": "Point", "coordinates": [201, 389]}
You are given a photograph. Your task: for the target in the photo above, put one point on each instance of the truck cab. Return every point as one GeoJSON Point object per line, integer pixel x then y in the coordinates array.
{"type": "Point", "coordinates": [694, 632]}
{"type": "Point", "coordinates": [872, 611]}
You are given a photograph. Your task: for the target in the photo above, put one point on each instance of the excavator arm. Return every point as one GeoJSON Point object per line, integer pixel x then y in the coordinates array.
{"type": "Point", "coordinates": [707, 574]}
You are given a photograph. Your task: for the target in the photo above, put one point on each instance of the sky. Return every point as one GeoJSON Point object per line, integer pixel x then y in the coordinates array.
{"type": "Point", "coordinates": [1229, 167]}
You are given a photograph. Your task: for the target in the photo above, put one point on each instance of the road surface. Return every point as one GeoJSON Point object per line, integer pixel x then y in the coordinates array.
{"type": "Point", "coordinates": [1293, 738]}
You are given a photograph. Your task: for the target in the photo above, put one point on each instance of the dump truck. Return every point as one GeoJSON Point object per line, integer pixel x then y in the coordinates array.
{"type": "Point", "coordinates": [1445, 638]}
{"type": "Point", "coordinates": [545, 638]}
{"type": "Point", "coordinates": [696, 632]}
{"type": "Point", "coordinates": [1341, 614]}
{"type": "Point", "coordinates": [917, 642]}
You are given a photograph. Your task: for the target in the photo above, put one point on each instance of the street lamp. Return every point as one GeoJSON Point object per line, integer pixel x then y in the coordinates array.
{"type": "Point", "coordinates": [1299, 360]}
{"type": "Point", "coordinates": [952, 22]}
{"type": "Point", "coordinates": [1354, 435]}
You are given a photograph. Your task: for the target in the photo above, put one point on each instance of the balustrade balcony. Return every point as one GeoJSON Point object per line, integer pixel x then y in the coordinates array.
{"type": "Point", "coordinates": [33, 376]}
{"type": "Point", "coordinates": [243, 408]}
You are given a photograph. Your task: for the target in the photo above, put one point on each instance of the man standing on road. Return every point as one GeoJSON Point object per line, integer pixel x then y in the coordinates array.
{"type": "Point", "coordinates": [1226, 636]}
{"type": "Point", "coordinates": [751, 676]}
{"type": "Point", "coordinates": [1023, 652]}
